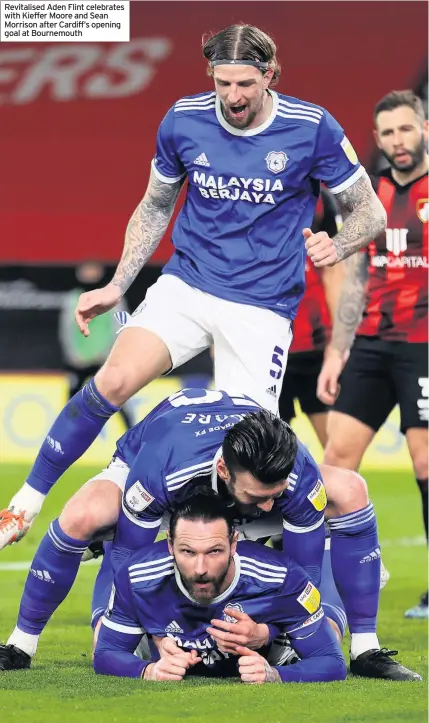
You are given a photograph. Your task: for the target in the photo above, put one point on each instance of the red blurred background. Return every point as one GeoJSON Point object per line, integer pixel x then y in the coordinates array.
{"type": "Point", "coordinates": [78, 120]}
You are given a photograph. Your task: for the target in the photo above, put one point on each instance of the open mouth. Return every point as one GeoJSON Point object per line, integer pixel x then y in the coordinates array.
{"type": "Point", "coordinates": [237, 110]}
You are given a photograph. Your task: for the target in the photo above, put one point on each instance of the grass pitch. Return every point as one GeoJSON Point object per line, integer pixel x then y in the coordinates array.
{"type": "Point", "coordinates": [62, 688]}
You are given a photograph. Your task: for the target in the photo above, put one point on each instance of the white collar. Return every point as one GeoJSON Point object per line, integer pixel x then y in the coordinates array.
{"type": "Point", "coordinates": [248, 131]}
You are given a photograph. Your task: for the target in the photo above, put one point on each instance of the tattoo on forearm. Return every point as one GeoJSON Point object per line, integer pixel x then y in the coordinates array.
{"type": "Point", "coordinates": [271, 674]}
{"type": "Point", "coordinates": [365, 217]}
{"type": "Point", "coordinates": [351, 302]}
{"type": "Point", "coordinates": [146, 229]}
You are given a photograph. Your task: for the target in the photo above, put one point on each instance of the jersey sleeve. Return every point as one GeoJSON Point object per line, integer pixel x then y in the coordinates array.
{"type": "Point", "coordinates": [301, 616]}
{"type": "Point", "coordinates": [335, 161]}
{"type": "Point", "coordinates": [166, 164]}
{"type": "Point", "coordinates": [145, 496]}
{"type": "Point", "coordinates": [303, 510]}
{"type": "Point", "coordinates": [120, 633]}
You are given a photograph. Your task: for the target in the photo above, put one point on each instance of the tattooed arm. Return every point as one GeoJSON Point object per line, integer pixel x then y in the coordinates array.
{"type": "Point", "coordinates": [351, 302]}
{"type": "Point", "coordinates": [349, 310]}
{"type": "Point", "coordinates": [146, 229]}
{"type": "Point", "coordinates": [365, 217]}
{"type": "Point", "coordinates": [144, 232]}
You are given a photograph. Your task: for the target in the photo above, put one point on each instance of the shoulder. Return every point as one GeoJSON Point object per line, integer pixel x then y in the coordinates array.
{"type": "Point", "coordinates": [191, 104]}
{"type": "Point", "coordinates": [150, 568]}
{"type": "Point", "coordinates": [290, 108]}
{"type": "Point", "coordinates": [262, 566]}
{"type": "Point", "coordinates": [304, 462]}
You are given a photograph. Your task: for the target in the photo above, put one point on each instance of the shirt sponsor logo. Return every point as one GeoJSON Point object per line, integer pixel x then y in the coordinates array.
{"type": "Point", "coordinates": [309, 598]}
{"type": "Point", "coordinates": [317, 496]}
{"type": "Point", "coordinates": [137, 498]}
{"type": "Point", "coordinates": [253, 190]}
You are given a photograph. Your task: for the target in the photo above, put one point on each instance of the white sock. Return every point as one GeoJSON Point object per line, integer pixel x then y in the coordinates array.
{"type": "Point", "coordinates": [24, 641]}
{"type": "Point", "coordinates": [28, 499]}
{"type": "Point", "coordinates": [361, 642]}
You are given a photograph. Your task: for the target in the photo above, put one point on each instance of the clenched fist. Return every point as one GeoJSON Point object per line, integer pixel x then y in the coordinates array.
{"type": "Point", "coordinates": [320, 248]}
{"type": "Point", "coordinates": [253, 668]}
{"type": "Point", "coordinates": [173, 664]}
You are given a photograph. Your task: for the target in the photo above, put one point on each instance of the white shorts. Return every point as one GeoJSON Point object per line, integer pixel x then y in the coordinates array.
{"type": "Point", "coordinates": [117, 472]}
{"type": "Point", "coordinates": [251, 344]}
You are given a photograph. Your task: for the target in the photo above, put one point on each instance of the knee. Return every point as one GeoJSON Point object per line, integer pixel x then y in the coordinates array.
{"type": "Point", "coordinates": [113, 382]}
{"type": "Point", "coordinates": [89, 511]}
{"type": "Point", "coordinates": [347, 492]}
{"type": "Point", "coordinates": [78, 521]}
{"type": "Point", "coordinates": [339, 454]}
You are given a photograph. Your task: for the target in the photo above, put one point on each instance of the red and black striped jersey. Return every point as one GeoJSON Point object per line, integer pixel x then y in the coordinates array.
{"type": "Point", "coordinates": [397, 293]}
{"type": "Point", "coordinates": [312, 326]}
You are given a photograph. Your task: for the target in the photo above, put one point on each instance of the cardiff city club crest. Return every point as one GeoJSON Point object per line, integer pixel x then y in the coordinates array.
{"type": "Point", "coordinates": [422, 208]}
{"type": "Point", "coordinates": [276, 161]}
{"type": "Point", "coordinates": [234, 606]}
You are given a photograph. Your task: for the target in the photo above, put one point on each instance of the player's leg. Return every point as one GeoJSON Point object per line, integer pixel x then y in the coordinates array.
{"type": "Point", "coordinates": [410, 365]}
{"type": "Point", "coordinates": [251, 349]}
{"type": "Point", "coordinates": [102, 590]}
{"type": "Point", "coordinates": [417, 441]}
{"type": "Point", "coordinates": [366, 398]}
{"type": "Point", "coordinates": [316, 411]}
{"type": "Point", "coordinates": [332, 604]}
{"type": "Point", "coordinates": [282, 652]}
{"type": "Point", "coordinates": [93, 509]}
{"type": "Point", "coordinates": [164, 332]}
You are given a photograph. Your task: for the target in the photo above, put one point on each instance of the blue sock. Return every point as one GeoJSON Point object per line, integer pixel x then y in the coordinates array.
{"type": "Point", "coordinates": [102, 587]}
{"type": "Point", "coordinates": [73, 431]}
{"type": "Point", "coordinates": [331, 602]}
{"type": "Point", "coordinates": [355, 557]}
{"type": "Point", "coordinates": [52, 574]}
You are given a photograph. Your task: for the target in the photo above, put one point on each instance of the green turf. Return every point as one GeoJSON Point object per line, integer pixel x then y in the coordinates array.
{"type": "Point", "coordinates": [61, 686]}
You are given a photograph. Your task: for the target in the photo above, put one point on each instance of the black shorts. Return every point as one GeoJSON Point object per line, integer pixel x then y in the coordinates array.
{"type": "Point", "coordinates": [300, 382]}
{"type": "Point", "coordinates": [380, 374]}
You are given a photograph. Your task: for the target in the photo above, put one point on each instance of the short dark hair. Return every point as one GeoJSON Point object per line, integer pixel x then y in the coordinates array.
{"type": "Point", "coordinates": [204, 504]}
{"type": "Point", "coordinates": [261, 444]}
{"type": "Point", "coordinates": [242, 42]}
{"type": "Point", "coordinates": [397, 98]}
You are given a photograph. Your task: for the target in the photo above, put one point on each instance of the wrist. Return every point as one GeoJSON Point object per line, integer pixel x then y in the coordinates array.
{"type": "Point", "coordinates": [117, 286]}
{"type": "Point", "coordinates": [333, 351]}
{"type": "Point", "coordinates": [262, 634]}
{"type": "Point", "coordinates": [147, 671]}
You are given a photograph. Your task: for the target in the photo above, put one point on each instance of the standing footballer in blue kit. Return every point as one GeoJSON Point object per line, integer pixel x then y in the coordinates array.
{"type": "Point", "coordinates": [208, 438]}
{"type": "Point", "coordinates": [253, 160]}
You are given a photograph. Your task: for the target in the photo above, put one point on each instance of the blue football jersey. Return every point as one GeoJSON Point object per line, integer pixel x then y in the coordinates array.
{"type": "Point", "coordinates": [250, 194]}
{"type": "Point", "coordinates": [176, 447]}
{"type": "Point", "coordinates": [149, 597]}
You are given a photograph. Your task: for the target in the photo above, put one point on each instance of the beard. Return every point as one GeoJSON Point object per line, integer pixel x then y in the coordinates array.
{"type": "Point", "coordinates": [417, 156]}
{"type": "Point", "coordinates": [250, 114]}
{"type": "Point", "coordinates": [213, 585]}
{"type": "Point", "coordinates": [246, 510]}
